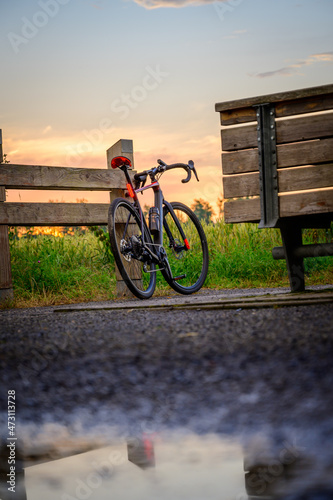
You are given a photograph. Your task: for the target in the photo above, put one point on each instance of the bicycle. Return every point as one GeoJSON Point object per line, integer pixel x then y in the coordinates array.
{"type": "Point", "coordinates": [173, 241]}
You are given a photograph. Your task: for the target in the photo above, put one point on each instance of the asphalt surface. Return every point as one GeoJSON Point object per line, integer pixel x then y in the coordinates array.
{"type": "Point", "coordinates": [131, 367]}
{"type": "Point", "coordinates": [118, 353]}
{"type": "Point", "coordinates": [214, 369]}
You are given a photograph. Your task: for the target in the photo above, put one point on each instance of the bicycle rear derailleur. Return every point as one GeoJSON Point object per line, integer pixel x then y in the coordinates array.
{"type": "Point", "coordinates": [133, 248]}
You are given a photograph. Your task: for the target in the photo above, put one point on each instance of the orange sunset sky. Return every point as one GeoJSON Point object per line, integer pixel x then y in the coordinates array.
{"type": "Point", "coordinates": [77, 75]}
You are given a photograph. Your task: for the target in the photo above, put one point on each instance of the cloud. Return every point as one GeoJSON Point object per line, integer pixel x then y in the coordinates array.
{"type": "Point", "coordinates": [235, 34]}
{"type": "Point", "coordinates": [293, 68]}
{"type": "Point", "coordinates": [47, 129]}
{"type": "Point", "coordinates": [325, 56]}
{"type": "Point", "coordinates": [156, 4]}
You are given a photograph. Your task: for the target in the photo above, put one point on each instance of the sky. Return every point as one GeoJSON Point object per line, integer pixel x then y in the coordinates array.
{"type": "Point", "coordinates": [78, 75]}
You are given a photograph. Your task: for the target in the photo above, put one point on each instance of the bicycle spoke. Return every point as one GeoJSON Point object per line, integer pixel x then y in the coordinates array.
{"type": "Point", "coordinates": [186, 250]}
{"type": "Point", "coordinates": [127, 241]}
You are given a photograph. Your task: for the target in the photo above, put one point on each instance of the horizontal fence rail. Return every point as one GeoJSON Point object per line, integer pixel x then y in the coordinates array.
{"type": "Point", "coordinates": [14, 176]}
{"type": "Point", "coordinates": [40, 177]}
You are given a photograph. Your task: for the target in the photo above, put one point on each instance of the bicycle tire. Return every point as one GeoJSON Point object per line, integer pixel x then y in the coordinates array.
{"type": "Point", "coordinates": [125, 237]}
{"type": "Point", "coordinates": [188, 266]}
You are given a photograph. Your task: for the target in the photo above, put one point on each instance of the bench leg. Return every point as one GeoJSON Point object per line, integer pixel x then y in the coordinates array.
{"type": "Point", "coordinates": [292, 238]}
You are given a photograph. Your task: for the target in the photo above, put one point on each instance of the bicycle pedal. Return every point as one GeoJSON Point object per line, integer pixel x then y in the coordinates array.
{"type": "Point", "coordinates": [177, 278]}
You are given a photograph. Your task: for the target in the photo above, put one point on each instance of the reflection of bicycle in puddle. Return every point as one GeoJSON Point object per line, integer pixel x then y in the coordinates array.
{"type": "Point", "coordinates": [182, 467]}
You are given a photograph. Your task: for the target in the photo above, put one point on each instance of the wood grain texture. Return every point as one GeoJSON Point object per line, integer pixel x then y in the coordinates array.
{"type": "Point", "coordinates": [243, 137]}
{"type": "Point", "coordinates": [43, 177]}
{"type": "Point", "coordinates": [290, 179]}
{"type": "Point", "coordinates": [305, 153]}
{"type": "Point", "coordinates": [277, 97]}
{"type": "Point", "coordinates": [288, 155]}
{"type": "Point", "coordinates": [290, 205]}
{"type": "Point", "coordinates": [301, 178]}
{"type": "Point", "coordinates": [282, 109]}
{"type": "Point", "coordinates": [53, 214]}
{"type": "Point", "coordinates": [317, 202]}
{"type": "Point", "coordinates": [237, 211]}
{"type": "Point", "coordinates": [304, 128]}
{"type": "Point", "coordinates": [237, 162]}
{"type": "Point", "coordinates": [5, 267]}
{"type": "Point", "coordinates": [289, 130]}
{"type": "Point", "coordinates": [240, 186]}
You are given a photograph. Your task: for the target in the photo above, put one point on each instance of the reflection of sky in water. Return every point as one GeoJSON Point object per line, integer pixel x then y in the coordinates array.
{"type": "Point", "coordinates": [172, 465]}
{"type": "Point", "coordinates": [190, 467]}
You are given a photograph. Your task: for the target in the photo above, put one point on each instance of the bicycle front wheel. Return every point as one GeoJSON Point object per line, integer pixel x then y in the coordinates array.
{"type": "Point", "coordinates": [127, 243]}
{"type": "Point", "coordinates": [188, 260]}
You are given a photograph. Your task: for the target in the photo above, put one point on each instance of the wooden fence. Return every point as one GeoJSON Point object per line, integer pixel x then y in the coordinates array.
{"type": "Point", "coordinates": [38, 177]}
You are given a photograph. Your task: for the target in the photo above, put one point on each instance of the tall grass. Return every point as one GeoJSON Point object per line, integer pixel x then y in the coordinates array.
{"type": "Point", "coordinates": [50, 270]}
{"type": "Point", "coordinates": [241, 256]}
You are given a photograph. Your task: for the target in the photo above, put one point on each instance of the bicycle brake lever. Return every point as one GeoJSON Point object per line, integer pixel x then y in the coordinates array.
{"type": "Point", "coordinates": [192, 168]}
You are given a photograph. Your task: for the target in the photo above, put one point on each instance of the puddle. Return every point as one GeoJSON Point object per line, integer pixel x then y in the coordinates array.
{"type": "Point", "coordinates": [172, 466]}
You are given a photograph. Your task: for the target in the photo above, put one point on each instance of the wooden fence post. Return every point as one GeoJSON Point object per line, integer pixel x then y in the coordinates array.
{"type": "Point", "coordinates": [124, 147]}
{"type": "Point", "coordinates": [6, 286]}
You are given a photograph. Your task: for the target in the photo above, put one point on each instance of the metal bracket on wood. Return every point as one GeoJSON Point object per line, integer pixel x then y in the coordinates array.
{"type": "Point", "coordinates": [268, 181]}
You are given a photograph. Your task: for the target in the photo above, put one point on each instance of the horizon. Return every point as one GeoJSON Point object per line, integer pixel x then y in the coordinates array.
{"type": "Point", "coordinates": [80, 75]}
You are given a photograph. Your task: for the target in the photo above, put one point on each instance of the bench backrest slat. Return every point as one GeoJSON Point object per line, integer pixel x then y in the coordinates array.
{"type": "Point", "coordinates": [282, 109]}
{"type": "Point", "coordinates": [289, 130]}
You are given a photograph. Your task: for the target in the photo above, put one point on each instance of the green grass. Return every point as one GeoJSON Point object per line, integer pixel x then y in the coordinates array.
{"type": "Point", "coordinates": [49, 270]}
{"type": "Point", "coordinates": [53, 270]}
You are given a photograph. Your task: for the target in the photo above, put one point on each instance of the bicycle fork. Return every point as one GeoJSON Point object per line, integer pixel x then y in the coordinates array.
{"type": "Point", "coordinates": [179, 227]}
{"type": "Point", "coordinates": [172, 242]}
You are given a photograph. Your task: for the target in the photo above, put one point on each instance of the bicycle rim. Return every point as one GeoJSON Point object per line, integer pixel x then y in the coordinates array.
{"type": "Point", "coordinates": [189, 267]}
{"type": "Point", "coordinates": [126, 242]}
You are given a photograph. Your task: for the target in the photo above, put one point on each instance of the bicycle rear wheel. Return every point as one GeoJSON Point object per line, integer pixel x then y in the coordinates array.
{"type": "Point", "coordinates": [188, 262]}
{"type": "Point", "coordinates": [126, 238]}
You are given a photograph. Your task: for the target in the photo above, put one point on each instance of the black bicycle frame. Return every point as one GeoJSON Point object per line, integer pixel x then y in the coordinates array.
{"type": "Point", "coordinates": [159, 201]}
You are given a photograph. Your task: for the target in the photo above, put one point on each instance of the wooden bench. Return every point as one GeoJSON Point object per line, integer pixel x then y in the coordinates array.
{"type": "Point", "coordinates": [38, 177]}
{"type": "Point", "coordinates": [277, 163]}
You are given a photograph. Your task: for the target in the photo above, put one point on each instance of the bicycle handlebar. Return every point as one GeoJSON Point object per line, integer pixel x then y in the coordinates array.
{"type": "Point", "coordinates": [188, 167]}
{"type": "Point", "coordinates": [163, 167]}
